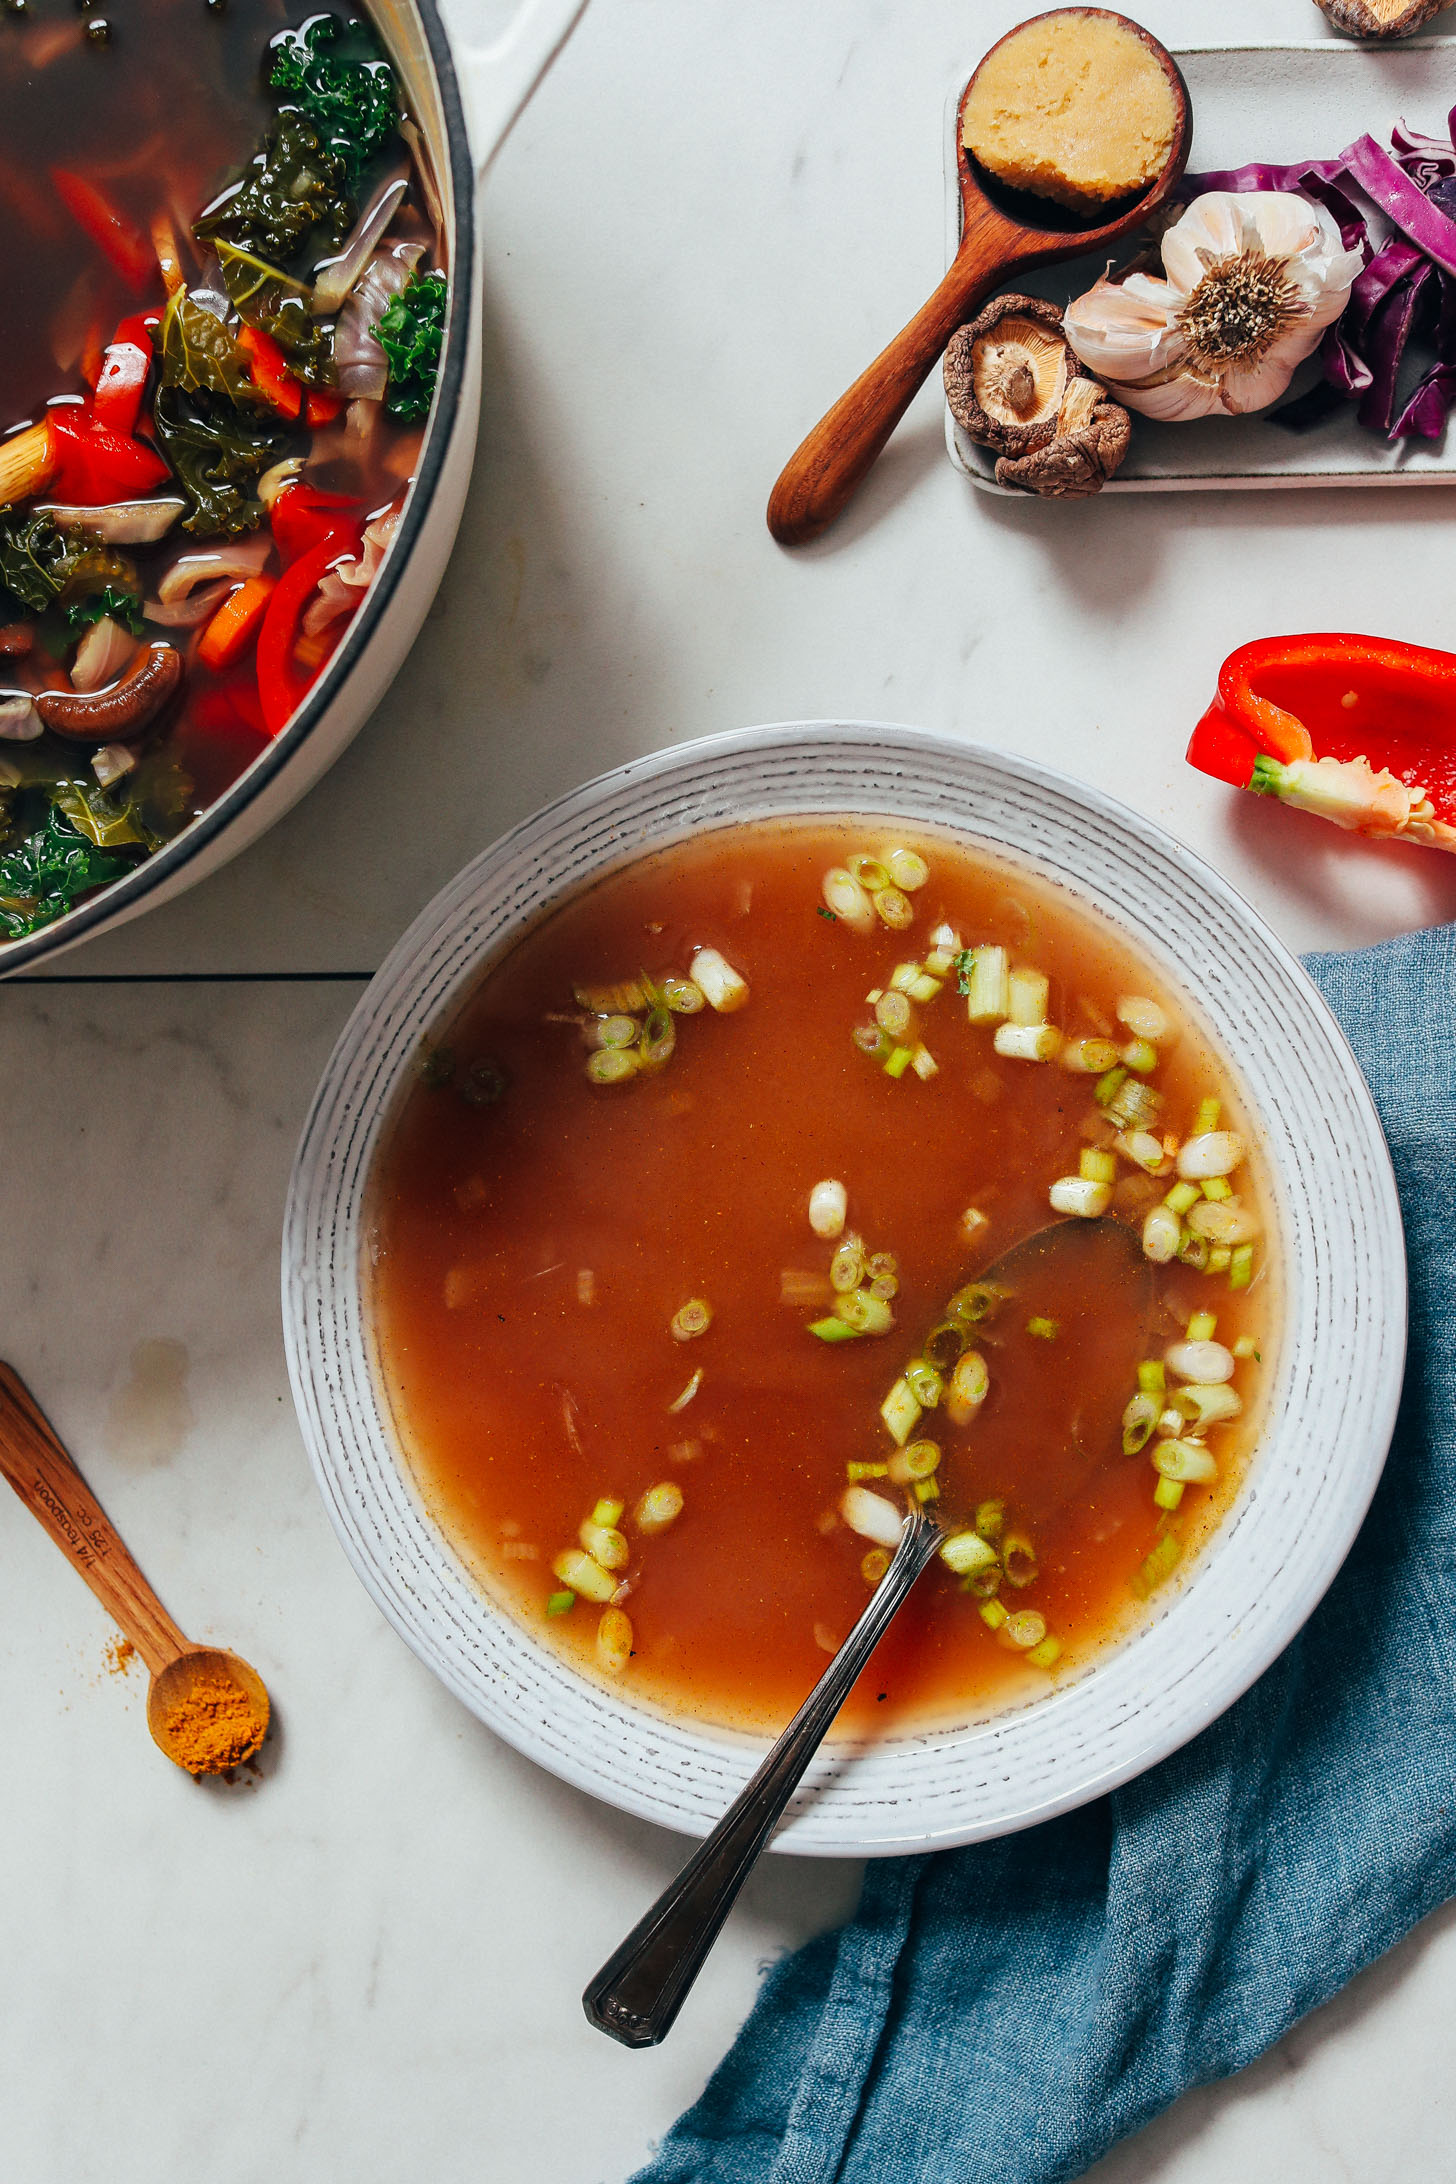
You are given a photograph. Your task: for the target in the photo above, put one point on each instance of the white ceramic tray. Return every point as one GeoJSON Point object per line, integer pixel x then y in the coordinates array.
{"type": "Point", "coordinates": [1278, 103]}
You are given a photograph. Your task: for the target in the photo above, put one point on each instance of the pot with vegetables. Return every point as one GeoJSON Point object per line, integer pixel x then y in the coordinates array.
{"type": "Point", "coordinates": [238, 402]}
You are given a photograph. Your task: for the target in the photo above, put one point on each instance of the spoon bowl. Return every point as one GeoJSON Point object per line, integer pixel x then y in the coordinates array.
{"type": "Point", "coordinates": [1003, 232]}
{"type": "Point", "coordinates": [211, 1703]}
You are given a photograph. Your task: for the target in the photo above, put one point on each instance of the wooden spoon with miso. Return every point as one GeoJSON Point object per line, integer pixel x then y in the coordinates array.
{"type": "Point", "coordinates": [1073, 129]}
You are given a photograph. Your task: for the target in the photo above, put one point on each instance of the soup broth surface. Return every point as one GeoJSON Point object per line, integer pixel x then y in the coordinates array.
{"type": "Point", "coordinates": [533, 1250]}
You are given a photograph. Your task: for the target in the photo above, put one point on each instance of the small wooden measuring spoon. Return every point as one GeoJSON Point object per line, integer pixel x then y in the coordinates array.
{"type": "Point", "coordinates": [1002, 232]}
{"type": "Point", "coordinates": [206, 1709]}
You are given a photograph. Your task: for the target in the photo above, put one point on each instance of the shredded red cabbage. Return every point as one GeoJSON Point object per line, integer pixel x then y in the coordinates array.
{"type": "Point", "coordinates": [1408, 285]}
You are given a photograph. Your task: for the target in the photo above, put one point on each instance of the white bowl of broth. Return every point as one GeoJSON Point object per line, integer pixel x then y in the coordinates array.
{"type": "Point", "coordinates": [613, 1400]}
{"type": "Point", "coordinates": [129, 131]}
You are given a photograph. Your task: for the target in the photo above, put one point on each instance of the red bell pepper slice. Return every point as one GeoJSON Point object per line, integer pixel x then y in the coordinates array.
{"type": "Point", "coordinates": [95, 465]}
{"type": "Point", "coordinates": [119, 238]}
{"type": "Point", "coordinates": [321, 408]}
{"type": "Point", "coordinates": [304, 515]}
{"type": "Point", "coordinates": [1359, 730]}
{"type": "Point", "coordinates": [124, 368]}
{"type": "Point", "coordinates": [282, 685]}
{"type": "Point", "coordinates": [268, 366]}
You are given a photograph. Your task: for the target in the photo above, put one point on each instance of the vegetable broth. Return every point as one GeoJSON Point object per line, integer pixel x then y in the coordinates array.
{"type": "Point", "coordinates": [109, 146]}
{"type": "Point", "coordinates": [532, 1250]}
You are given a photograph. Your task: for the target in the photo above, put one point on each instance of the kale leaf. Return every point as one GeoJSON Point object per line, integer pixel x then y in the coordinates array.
{"type": "Point", "coordinates": [217, 454]}
{"type": "Point", "coordinates": [279, 305]}
{"type": "Point", "coordinates": [294, 185]}
{"type": "Point", "coordinates": [200, 355]}
{"type": "Point", "coordinates": [410, 334]}
{"type": "Point", "coordinates": [122, 606]}
{"type": "Point", "coordinates": [42, 564]}
{"type": "Point", "coordinates": [34, 557]}
{"type": "Point", "coordinates": [42, 876]}
{"type": "Point", "coordinates": [348, 94]}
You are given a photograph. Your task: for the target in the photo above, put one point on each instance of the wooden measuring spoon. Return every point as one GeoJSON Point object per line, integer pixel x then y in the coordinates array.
{"type": "Point", "coordinates": [206, 1709]}
{"type": "Point", "coordinates": [1002, 232]}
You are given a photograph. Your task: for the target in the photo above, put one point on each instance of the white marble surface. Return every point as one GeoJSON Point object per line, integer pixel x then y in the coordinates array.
{"type": "Point", "coordinates": [366, 1965]}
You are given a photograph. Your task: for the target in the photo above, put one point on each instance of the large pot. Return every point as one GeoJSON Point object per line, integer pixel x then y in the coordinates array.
{"type": "Point", "coordinates": [465, 96]}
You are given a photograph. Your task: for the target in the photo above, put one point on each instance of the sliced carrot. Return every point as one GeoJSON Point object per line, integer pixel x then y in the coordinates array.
{"type": "Point", "coordinates": [321, 408]}
{"type": "Point", "coordinates": [269, 368]}
{"type": "Point", "coordinates": [235, 624]}
{"type": "Point", "coordinates": [113, 233]}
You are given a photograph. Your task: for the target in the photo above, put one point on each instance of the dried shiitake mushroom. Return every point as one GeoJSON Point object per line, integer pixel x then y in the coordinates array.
{"type": "Point", "coordinates": [1007, 372]}
{"type": "Point", "coordinates": [1380, 18]}
{"type": "Point", "coordinates": [1088, 442]}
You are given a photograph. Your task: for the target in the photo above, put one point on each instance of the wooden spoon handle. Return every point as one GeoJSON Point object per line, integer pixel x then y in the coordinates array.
{"type": "Point", "coordinates": [821, 476]}
{"type": "Point", "coordinates": [51, 1487]}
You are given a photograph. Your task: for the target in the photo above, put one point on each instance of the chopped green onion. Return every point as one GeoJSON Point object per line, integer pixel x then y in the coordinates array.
{"type": "Point", "coordinates": [975, 1302]}
{"type": "Point", "coordinates": [966, 1553]}
{"type": "Point", "coordinates": [1145, 1019]}
{"type": "Point", "coordinates": [847, 1268]}
{"type": "Point", "coordinates": [907, 868]}
{"type": "Point", "coordinates": [1207, 1405]}
{"type": "Point", "coordinates": [608, 1512]}
{"type": "Point", "coordinates": [873, 1566]}
{"type": "Point", "coordinates": [691, 1319]}
{"type": "Point", "coordinates": [1162, 1234]}
{"type": "Point", "coordinates": [1135, 1105]}
{"type": "Point", "coordinates": [901, 1411]}
{"type": "Point", "coordinates": [682, 995]}
{"type": "Point", "coordinates": [855, 1472]}
{"type": "Point", "coordinates": [926, 1384]}
{"type": "Point", "coordinates": [925, 1490]}
{"type": "Point", "coordinates": [899, 1061]}
{"type": "Point", "coordinates": [904, 976]}
{"type": "Point", "coordinates": [870, 873]}
{"type": "Point", "coordinates": [1220, 1258]}
{"type": "Point", "coordinates": [872, 1041]}
{"type": "Point", "coordinates": [1138, 1421]}
{"type": "Point", "coordinates": [920, 1460]}
{"type": "Point", "coordinates": [971, 1223]}
{"type": "Point", "coordinates": [659, 1038]}
{"type": "Point", "coordinates": [612, 1065]}
{"type": "Point", "coordinates": [1159, 1565]}
{"type": "Point", "coordinates": [1139, 1055]}
{"type": "Point", "coordinates": [1096, 1166]}
{"type": "Point", "coordinates": [924, 1064]}
{"type": "Point", "coordinates": [985, 982]}
{"type": "Point", "coordinates": [968, 1387]}
{"type": "Point", "coordinates": [1202, 1327]}
{"type": "Point", "coordinates": [990, 1517]}
{"type": "Point", "coordinates": [1187, 1461]}
{"type": "Point", "coordinates": [561, 1603]}
{"type": "Point", "coordinates": [925, 988]}
{"type": "Point", "coordinates": [625, 998]}
{"type": "Point", "coordinates": [722, 987]}
{"type": "Point", "coordinates": [1193, 1251]}
{"type": "Point", "coordinates": [1027, 1042]}
{"type": "Point", "coordinates": [614, 1641]}
{"type": "Point", "coordinates": [1088, 1057]}
{"type": "Point", "coordinates": [886, 1287]}
{"type": "Point", "coordinates": [1075, 1194]}
{"type": "Point", "coordinates": [943, 1345]}
{"type": "Point", "coordinates": [1018, 1559]}
{"type": "Point", "coordinates": [659, 1507]}
{"type": "Point", "coordinates": [834, 1330]}
{"type": "Point", "coordinates": [681, 1402]}
{"type": "Point", "coordinates": [828, 1205]}
{"type": "Point", "coordinates": [1027, 994]}
{"type": "Point", "coordinates": [1168, 1493]}
{"type": "Point", "coordinates": [1025, 1629]}
{"type": "Point", "coordinates": [1207, 1119]}
{"type": "Point", "coordinates": [882, 1262]}
{"type": "Point", "coordinates": [1241, 1273]}
{"type": "Point", "coordinates": [894, 909]}
{"type": "Point", "coordinates": [1045, 1330]}
{"type": "Point", "coordinates": [1047, 1654]}
{"type": "Point", "coordinates": [1152, 1376]}
{"type": "Point", "coordinates": [617, 1031]}
{"type": "Point", "coordinates": [1108, 1085]}
{"type": "Point", "coordinates": [847, 899]}
{"type": "Point", "coordinates": [892, 1014]}
{"type": "Point", "coordinates": [871, 1515]}
{"type": "Point", "coordinates": [1217, 1187]}
{"type": "Point", "coordinates": [1246, 1346]}
{"type": "Point", "coordinates": [605, 1544]}
{"type": "Point", "coordinates": [1181, 1197]}
{"type": "Point", "coordinates": [992, 1613]}
{"type": "Point", "coordinates": [866, 1314]}
{"type": "Point", "coordinates": [584, 1574]}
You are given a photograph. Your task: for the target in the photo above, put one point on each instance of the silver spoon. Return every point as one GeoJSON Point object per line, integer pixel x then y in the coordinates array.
{"type": "Point", "coordinates": [638, 1992]}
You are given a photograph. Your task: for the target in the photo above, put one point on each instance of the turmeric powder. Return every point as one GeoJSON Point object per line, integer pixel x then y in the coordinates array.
{"type": "Point", "coordinates": [204, 1717]}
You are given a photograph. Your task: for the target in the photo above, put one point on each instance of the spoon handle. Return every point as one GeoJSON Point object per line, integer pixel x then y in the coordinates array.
{"type": "Point", "coordinates": [825, 470]}
{"type": "Point", "coordinates": [640, 1989]}
{"type": "Point", "coordinates": [43, 1475]}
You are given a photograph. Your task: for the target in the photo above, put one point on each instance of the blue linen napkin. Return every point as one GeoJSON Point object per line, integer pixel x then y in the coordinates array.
{"type": "Point", "coordinates": [1004, 2014]}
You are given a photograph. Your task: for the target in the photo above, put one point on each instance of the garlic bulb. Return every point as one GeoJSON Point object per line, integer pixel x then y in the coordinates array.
{"type": "Point", "coordinates": [1253, 280]}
